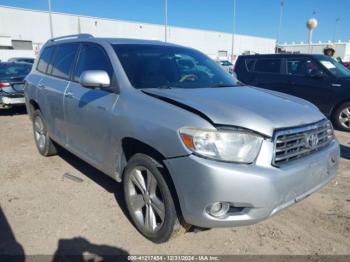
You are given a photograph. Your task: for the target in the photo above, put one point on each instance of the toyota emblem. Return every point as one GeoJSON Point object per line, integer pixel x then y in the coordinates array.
{"type": "Point", "coordinates": [311, 141]}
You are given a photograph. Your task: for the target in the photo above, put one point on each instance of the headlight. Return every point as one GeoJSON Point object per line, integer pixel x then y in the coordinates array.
{"type": "Point", "coordinates": [223, 145]}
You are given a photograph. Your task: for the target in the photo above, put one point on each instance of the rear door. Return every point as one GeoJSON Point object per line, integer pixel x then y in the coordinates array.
{"type": "Point", "coordinates": [300, 83]}
{"type": "Point", "coordinates": [268, 74]}
{"type": "Point", "coordinates": [89, 111]}
{"type": "Point", "coordinates": [53, 87]}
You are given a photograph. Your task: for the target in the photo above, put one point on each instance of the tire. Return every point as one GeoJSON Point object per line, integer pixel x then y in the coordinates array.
{"type": "Point", "coordinates": [341, 117]}
{"type": "Point", "coordinates": [43, 142]}
{"type": "Point", "coordinates": [147, 193]}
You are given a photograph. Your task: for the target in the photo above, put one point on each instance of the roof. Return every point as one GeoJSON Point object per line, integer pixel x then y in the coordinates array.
{"type": "Point", "coordinates": [114, 41]}
{"type": "Point", "coordinates": [282, 55]}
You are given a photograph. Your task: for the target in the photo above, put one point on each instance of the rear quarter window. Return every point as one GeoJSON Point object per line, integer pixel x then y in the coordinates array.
{"type": "Point", "coordinates": [249, 64]}
{"type": "Point", "coordinates": [44, 59]}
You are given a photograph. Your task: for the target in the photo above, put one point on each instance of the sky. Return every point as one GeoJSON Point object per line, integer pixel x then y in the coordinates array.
{"type": "Point", "coordinates": [253, 17]}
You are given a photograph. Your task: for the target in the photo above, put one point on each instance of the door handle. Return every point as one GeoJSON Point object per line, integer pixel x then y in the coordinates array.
{"type": "Point", "coordinates": [336, 85]}
{"type": "Point", "coordinates": [69, 95]}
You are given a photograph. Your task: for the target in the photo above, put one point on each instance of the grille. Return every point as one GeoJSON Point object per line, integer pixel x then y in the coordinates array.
{"type": "Point", "coordinates": [295, 143]}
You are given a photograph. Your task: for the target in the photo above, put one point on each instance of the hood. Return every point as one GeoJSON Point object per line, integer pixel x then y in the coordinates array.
{"type": "Point", "coordinates": [252, 108]}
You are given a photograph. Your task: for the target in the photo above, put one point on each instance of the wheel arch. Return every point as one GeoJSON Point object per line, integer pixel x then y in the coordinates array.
{"type": "Point", "coordinates": [33, 105]}
{"type": "Point", "coordinates": [338, 104]}
{"type": "Point", "coordinates": [132, 146]}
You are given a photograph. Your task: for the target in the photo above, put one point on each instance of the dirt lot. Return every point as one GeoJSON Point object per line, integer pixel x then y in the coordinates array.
{"type": "Point", "coordinates": [44, 212]}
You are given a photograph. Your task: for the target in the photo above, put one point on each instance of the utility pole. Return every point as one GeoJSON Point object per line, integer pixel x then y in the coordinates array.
{"type": "Point", "coordinates": [335, 29]}
{"type": "Point", "coordinates": [233, 30]}
{"type": "Point", "coordinates": [166, 20]}
{"type": "Point", "coordinates": [279, 25]}
{"type": "Point", "coordinates": [50, 16]}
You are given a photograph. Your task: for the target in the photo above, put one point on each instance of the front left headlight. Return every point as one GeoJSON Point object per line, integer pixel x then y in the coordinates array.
{"type": "Point", "coordinates": [224, 145]}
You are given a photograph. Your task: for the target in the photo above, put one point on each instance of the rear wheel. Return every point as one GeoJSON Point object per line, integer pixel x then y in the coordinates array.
{"type": "Point", "coordinates": [341, 117]}
{"type": "Point", "coordinates": [44, 144]}
{"type": "Point", "coordinates": [149, 200]}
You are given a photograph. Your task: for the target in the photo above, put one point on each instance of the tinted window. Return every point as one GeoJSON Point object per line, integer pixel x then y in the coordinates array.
{"type": "Point", "coordinates": [92, 57]}
{"type": "Point", "coordinates": [301, 66]}
{"type": "Point", "coordinates": [63, 60]}
{"type": "Point", "coordinates": [249, 63]}
{"type": "Point", "coordinates": [44, 59]}
{"type": "Point", "coordinates": [268, 65]}
{"type": "Point", "coordinates": [161, 66]}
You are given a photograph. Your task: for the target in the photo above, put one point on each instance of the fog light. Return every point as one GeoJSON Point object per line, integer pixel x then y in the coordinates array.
{"type": "Point", "coordinates": [218, 209]}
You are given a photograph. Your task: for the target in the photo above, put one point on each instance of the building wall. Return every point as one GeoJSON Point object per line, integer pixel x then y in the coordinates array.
{"type": "Point", "coordinates": [6, 54]}
{"type": "Point", "coordinates": [34, 25]}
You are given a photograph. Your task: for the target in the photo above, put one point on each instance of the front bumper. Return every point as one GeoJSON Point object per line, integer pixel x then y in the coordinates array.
{"type": "Point", "coordinates": [260, 189]}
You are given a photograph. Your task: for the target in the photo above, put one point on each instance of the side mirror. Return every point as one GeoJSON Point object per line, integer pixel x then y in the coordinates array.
{"type": "Point", "coordinates": [94, 79]}
{"type": "Point", "coordinates": [316, 73]}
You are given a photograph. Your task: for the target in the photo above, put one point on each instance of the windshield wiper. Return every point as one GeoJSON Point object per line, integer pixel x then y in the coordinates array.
{"type": "Point", "coordinates": [166, 87]}
{"type": "Point", "coordinates": [223, 85]}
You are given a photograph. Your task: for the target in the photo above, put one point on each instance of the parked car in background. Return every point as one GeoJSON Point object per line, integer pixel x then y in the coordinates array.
{"type": "Point", "coordinates": [12, 83]}
{"type": "Point", "coordinates": [22, 59]}
{"type": "Point", "coordinates": [191, 145]}
{"type": "Point", "coordinates": [227, 65]}
{"type": "Point", "coordinates": [316, 78]}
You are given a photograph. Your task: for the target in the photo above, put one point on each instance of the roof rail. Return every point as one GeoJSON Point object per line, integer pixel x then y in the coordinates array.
{"type": "Point", "coordinates": [71, 36]}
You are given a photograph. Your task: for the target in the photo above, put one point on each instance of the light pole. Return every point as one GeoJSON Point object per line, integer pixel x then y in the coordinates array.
{"type": "Point", "coordinates": [279, 25]}
{"type": "Point", "coordinates": [335, 28]}
{"type": "Point", "coordinates": [233, 31]}
{"type": "Point", "coordinates": [50, 16]}
{"type": "Point", "coordinates": [166, 20]}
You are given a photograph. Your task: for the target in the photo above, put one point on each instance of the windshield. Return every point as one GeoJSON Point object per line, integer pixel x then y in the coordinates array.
{"type": "Point", "coordinates": [334, 67]}
{"type": "Point", "coordinates": [160, 66]}
{"type": "Point", "coordinates": [11, 71]}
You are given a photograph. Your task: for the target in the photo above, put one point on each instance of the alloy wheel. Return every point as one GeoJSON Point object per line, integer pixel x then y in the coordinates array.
{"type": "Point", "coordinates": [146, 201]}
{"type": "Point", "coordinates": [344, 117]}
{"type": "Point", "coordinates": [39, 132]}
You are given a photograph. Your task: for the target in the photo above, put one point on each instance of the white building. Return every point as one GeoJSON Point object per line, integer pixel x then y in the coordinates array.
{"type": "Point", "coordinates": [342, 48]}
{"type": "Point", "coordinates": [23, 32]}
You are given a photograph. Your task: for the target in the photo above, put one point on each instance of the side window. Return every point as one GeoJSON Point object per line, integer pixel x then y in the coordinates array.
{"type": "Point", "coordinates": [44, 59]}
{"type": "Point", "coordinates": [63, 60]}
{"type": "Point", "coordinates": [301, 66]}
{"type": "Point", "coordinates": [93, 57]}
{"type": "Point", "coordinates": [249, 63]}
{"type": "Point", "coordinates": [268, 66]}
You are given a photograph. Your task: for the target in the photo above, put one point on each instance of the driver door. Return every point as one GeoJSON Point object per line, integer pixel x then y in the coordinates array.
{"type": "Point", "coordinates": [301, 83]}
{"type": "Point", "coordinates": [89, 111]}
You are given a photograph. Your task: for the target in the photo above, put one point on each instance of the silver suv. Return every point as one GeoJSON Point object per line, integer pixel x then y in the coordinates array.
{"type": "Point", "coordinates": [191, 145]}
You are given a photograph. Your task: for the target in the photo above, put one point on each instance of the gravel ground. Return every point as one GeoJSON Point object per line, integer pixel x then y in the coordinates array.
{"type": "Point", "coordinates": [45, 212]}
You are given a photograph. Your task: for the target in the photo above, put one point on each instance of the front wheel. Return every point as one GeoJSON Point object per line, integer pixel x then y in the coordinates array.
{"type": "Point", "coordinates": [148, 199]}
{"type": "Point", "coordinates": [341, 117]}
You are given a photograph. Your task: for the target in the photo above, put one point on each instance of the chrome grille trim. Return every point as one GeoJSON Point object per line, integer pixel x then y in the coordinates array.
{"type": "Point", "coordinates": [294, 143]}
